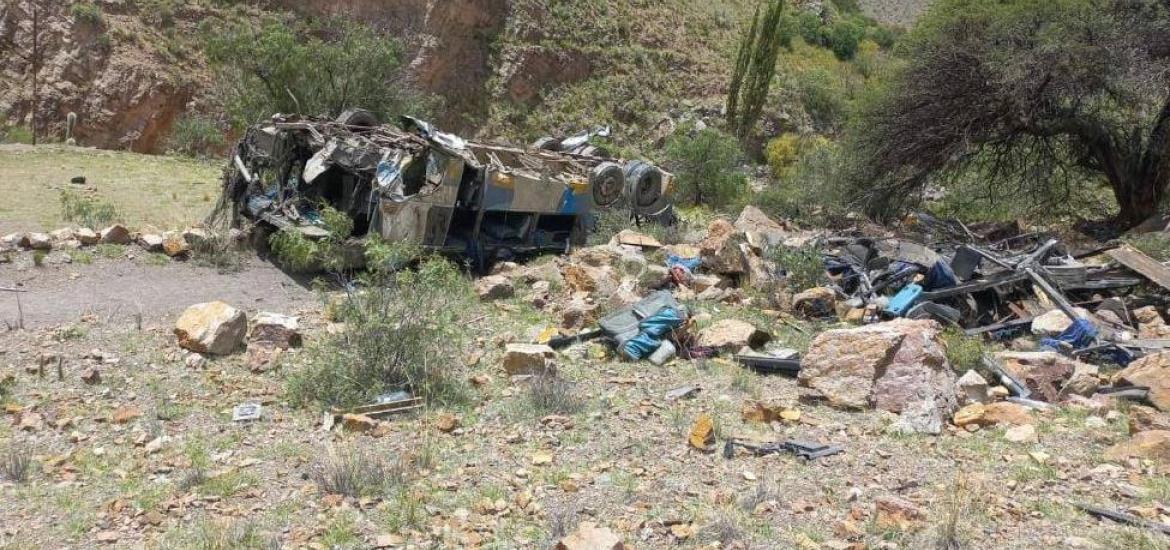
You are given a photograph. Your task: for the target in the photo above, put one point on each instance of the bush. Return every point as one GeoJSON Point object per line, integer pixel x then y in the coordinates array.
{"type": "Point", "coordinates": [299, 253]}
{"type": "Point", "coordinates": [285, 67]}
{"type": "Point", "coordinates": [803, 267]}
{"type": "Point", "coordinates": [823, 96]}
{"type": "Point", "coordinates": [87, 211]}
{"type": "Point", "coordinates": [196, 136]}
{"type": "Point", "coordinates": [87, 13]}
{"type": "Point", "coordinates": [405, 331]}
{"type": "Point", "coordinates": [810, 190]}
{"type": "Point", "coordinates": [706, 168]}
{"type": "Point", "coordinates": [551, 394]}
{"type": "Point", "coordinates": [354, 472]}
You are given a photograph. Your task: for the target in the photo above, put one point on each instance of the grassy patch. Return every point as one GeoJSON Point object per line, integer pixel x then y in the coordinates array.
{"type": "Point", "coordinates": [86, 210]}
{"type": "Point", "coordinates": [425, 312]}
{"type": "Point", "coordinates": [147, 190]}
{"type": "Point", "coordinates": [551, 393]}
{"type": "Point", "coordinates": [354, 472]}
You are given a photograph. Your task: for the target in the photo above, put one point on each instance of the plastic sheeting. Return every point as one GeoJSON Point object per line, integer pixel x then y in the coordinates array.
{"type": "Point", "coordinates": [652, 330]}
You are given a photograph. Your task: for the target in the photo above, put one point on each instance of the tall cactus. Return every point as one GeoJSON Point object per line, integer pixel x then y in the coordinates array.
{"type": "Point", "coordinates": [755, 66]}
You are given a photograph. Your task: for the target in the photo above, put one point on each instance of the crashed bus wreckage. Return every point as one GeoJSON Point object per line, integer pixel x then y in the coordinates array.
{"type": "Point", "coordinates": [418, 185]}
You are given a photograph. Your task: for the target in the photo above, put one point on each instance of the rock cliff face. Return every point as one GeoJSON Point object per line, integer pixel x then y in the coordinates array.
{"type": "Point", "coordinates": [132, 71]}
{"type": "Point", "coordinates": [125, 96]}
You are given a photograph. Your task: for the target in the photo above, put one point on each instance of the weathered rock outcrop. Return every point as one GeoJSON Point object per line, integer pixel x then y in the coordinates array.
{"type": "Point", "coordinates": [898, 366]}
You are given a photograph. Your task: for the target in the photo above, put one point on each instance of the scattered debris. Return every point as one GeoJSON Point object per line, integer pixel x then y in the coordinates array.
{"type": "Point", "coordinates": [246, 412]}
{"type": "Point", "coordinates": [802, 449]}
{"type": "Point", "coordinates": [1122, 517]}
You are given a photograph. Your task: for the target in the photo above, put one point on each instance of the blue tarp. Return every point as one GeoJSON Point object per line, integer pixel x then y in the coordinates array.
{"type": "Point", "coordinates": [1080, 334]}
{"type": "Point", "coordinates": [692, 264]}
{"type": "Point", "coordinates": [651, 332]}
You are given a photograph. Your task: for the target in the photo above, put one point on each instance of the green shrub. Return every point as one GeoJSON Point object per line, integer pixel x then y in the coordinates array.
{"type": "Point", "coordinates": [804, 267]}
{"type": "Point", "coordinates": [299, 253]}
{"type": "Point", "coordinates": [86, 211]}
{"type": "Point", "coordinates": [407, 330]}
{"type": "Point", "coordinates": [823, 96]}
{"type": "Point", "coordinates": [196, 136]}
{"type": "Point", "coordinates": [87, 13]}
{"type": "Point", "coordinates": [964, 352]}
{"type": "Point", "coordinates": [810, 189]}
{"type": "Point", "coordinates": [706, 168]}
{"type": "Point", "coordinates": [844, 37]}
{"type": "Point", "coordinates": [16, 134]}
{"type": "Point", "coordinates": [287, 67]}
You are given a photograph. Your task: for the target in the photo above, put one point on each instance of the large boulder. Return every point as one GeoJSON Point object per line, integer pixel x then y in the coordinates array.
{"type": "Point", "coordinates": [87, 236]}
{"type": "Point", "coordinates": [815, 302]}
{"type": "Point", "coordinates": [213, 327]}
{"type": "Point", "coordinates": [898, 366]}
{"type": "Point", "coordinates": [590, 279]}
{"type": "Point", "coordinates": [753, 220]}
{"type": "Point", "coordinates": [1054, 322]}
{"type": "Point", "coordinates": [720, 251]}
{"type": "Point", "coordinates": [151, 242]}
{"type": "Point", "coordinates": [1152, 371]}
{"type": "Point", "coordinates": [275, 330]}
{"type": "Point", "coordinates": [732, 334]}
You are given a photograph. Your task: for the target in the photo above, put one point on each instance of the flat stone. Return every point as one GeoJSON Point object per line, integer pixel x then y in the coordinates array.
{"type": "Point", "coordinates": [1148, 445]}
{"type": "Point", "coordinates": [1021, 434]}
{"type": "Point", "coordinates": [527, 359]}
{"type": "Point", "coordinates": [151, 242]}
{"type": "Point", "coordinates": [732, 334]}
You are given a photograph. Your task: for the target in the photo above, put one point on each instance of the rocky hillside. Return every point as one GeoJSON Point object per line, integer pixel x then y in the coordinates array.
{"type": "Point", "coordinates": [508, 68]}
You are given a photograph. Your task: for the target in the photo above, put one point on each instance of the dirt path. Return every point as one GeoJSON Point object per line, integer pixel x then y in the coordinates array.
{"type": "Point", "coordinates": [117, 290]}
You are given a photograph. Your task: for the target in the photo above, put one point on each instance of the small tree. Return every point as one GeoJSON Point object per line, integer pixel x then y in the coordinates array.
{"type": "Point", "coordinates": [1032, 99]}
{"type": "Point", "coordinates": [285, 68]}
{"type": "Point", "coordinates": [706, 167]}
{"type": "Point", "coordinates": [755, 66]}
{"type": "Point", "coordinates": [26, 45]}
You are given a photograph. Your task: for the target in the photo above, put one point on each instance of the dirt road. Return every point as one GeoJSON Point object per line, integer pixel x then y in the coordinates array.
{"type": "Point", "coordinates": [120, 289]}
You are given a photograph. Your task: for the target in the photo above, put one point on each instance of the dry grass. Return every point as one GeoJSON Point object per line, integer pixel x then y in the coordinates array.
{"type": "Point", "coordinates": [166, 192]}
{"type": "Point", "coordinates": [15, 464]}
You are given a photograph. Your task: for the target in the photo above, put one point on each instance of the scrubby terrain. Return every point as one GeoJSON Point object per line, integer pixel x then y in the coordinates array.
{"type": "Point", "coordinates": [169, 380]}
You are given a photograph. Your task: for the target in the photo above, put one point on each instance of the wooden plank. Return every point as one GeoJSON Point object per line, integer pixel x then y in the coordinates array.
{"type": "Point", "coordinates": [1144, 265]}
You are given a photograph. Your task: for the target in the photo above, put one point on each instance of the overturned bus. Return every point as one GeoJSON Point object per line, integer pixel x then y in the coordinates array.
{"type": "Point", "coordinates": [419, 185]}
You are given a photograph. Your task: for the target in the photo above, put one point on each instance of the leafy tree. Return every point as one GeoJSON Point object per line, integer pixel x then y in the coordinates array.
{"type": "Point", "coordinates": [754, 67]}
{"type": "Point", "coordinates": [1034, 99]}
{"type": "Point", "coordinates": [282, 67]}
{"type": "Point", "coordinates": [706, 167]}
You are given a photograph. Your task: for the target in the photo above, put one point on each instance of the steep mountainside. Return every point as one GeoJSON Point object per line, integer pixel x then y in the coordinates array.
{"type": "Point", "coordinates": [512, 68]}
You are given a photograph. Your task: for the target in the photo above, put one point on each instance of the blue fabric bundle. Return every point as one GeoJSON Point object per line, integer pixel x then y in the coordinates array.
{"type": "Point", "coordinates": [651, 332]}
{"type": "Point", "coordinates": [692, 264]}
{"type": "Point", "coordinates": [1079, 334]}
